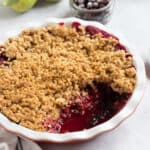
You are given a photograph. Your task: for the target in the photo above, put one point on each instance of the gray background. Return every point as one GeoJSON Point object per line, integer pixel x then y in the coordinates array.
{"type": "Point", "coordinates": [131, 18]}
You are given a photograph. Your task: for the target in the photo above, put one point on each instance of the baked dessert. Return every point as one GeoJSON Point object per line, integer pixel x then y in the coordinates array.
{"type": "Point", "coordinates": [64, 78]}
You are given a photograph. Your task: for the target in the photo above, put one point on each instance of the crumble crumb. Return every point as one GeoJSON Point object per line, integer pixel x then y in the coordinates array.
{"type": "Point", "coordinates": [48, 66]}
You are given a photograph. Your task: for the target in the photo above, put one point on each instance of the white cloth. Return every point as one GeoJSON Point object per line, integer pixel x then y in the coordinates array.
{"type": "Point", "coordinates": [11, 142]}
{"type": "Point", "coordinates": [7, 141]}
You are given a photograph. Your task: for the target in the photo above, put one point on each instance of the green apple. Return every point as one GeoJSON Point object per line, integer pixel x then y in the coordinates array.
{"type": "Point", "coordinates": [20, 5]}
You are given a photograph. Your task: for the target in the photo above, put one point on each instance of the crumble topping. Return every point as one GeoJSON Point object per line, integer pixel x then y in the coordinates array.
{"type": "Point", "coordinates": [48, 66]}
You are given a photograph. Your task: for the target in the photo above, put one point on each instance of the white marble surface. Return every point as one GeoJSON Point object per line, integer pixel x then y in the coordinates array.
{"type": "Point", "coordinates": [130, 19]}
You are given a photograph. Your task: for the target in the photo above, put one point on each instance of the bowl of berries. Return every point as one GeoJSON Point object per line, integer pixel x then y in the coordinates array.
{"type": "Point", "coordinates": [67, 80]}
{"type": "Point", "coordinates": [97, 10]}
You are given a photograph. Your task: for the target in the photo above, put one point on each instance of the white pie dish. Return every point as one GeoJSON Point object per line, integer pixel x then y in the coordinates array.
{"type": "Point", "coordinates": [99, 129]}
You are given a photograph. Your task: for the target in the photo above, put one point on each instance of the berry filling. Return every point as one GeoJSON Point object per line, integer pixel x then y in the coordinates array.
{"type": "Point", "coordinates": [99, 105]}
{"type": "Point", "coordinates": [94, 30]}
{"type": "Point", "coordinates": [76, 25]}
{"type": "Point", "coordinates": [61, 23]}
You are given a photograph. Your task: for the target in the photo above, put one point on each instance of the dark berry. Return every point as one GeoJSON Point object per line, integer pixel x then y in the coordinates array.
{"type": "Point", "coordinates": [89, 5]}
{"type": "Point", "coordinates": [95, 5]}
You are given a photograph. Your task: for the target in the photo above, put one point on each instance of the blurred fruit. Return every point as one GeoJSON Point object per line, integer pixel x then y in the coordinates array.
{"type": "Point", "coordinates": [9, 2]}
{"type": "Point", "coordinates": [20, 5]}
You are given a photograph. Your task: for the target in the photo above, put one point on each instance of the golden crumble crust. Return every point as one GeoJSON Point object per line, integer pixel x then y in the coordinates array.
{"type": "Point", "coordinates": [53, 64]}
